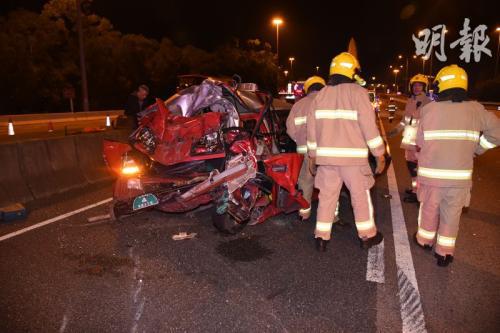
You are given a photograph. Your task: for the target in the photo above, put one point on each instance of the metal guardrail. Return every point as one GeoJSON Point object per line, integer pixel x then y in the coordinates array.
{"type": "Point", "coordinates": [42, 118]}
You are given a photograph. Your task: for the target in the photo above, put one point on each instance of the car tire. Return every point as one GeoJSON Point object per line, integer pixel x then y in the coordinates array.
{"type": "Point", "coordinates": [225, 224]}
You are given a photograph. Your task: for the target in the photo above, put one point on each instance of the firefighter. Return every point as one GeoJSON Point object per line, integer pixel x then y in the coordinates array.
{"type": "Point", "coordinates": [409, 125]}
{"type": "Point", "coordinates": [450, 132]}
{"type": "Point", "coordinates": [341, 129]}
{"type": "Point", "coordinates": [296, 129]}
{"type": "Point", "coordinates": [391, 108]}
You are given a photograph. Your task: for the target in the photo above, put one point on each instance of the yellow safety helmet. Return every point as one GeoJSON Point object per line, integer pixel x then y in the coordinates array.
{"type": "Point", "coordinates": [313, 80]}
{"type": "Point", "coordinates": [419, 78]}
{"type": "Point", "coordinates": [345, 64]}
{"type": "Point", "coordinates": [451, 77]}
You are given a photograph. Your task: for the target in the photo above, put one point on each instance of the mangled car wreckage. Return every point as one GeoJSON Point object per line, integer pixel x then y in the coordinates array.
{"type": "Point", "coordinates": [207, 144]}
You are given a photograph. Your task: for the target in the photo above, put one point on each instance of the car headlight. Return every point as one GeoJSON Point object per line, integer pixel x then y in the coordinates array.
{"type": "Point", "coordinates": [208, 144]}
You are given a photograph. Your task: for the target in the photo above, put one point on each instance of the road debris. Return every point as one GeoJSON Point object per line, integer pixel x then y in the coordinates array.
{"type": "Point", "coordinates": [13, 212]}
{"type": "Point", "coordinates": [184, 235]}
{"type": "Point", "coordinates": [99, 218]}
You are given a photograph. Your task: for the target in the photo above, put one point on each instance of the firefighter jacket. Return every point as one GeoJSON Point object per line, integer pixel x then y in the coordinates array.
{"type": "Point", "coordinates": [297, 120]}
{"type": "Point", "coordinates": [411, 119]}
{"type": "Point", "coordinates": [448, 135]}
{"type": "Point", "coordinates": [341, 126]}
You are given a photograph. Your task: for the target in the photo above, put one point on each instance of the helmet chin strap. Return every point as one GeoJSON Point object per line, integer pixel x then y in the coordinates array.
{"type": "Point", "coordinates": [435, 87]}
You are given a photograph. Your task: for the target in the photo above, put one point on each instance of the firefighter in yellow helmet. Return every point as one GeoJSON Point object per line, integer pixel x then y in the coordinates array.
{"type": "Point", "coordinates": [450, 132]}
{"type": "Point", "coordinates": [341, 130]}
{"type": "Point", "coordinates": [296, 128]}
{"type": "Point", "coordinates": [409, 125]}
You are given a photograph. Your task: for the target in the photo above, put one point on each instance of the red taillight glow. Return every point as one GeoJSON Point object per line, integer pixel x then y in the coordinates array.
{"type": "Point", "coordinates": [129, 167]}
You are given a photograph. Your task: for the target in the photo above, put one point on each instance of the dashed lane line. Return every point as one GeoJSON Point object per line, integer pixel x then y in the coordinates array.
{"type": "Point", "coordinates": [412, 314]}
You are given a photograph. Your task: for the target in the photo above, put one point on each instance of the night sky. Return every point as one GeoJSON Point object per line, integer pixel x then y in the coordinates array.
{"type": "Point", "coordinates": [313, 31]}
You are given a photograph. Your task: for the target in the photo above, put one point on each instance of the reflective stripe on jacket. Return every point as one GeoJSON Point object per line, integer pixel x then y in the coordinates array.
{"type": "Point", "coordinates": [341, 127]}
{"type": "Point", "coordinates": [411, 119]}
{"type": "Point", "coordinates": [296, 123]}
{"type": "Point", "coordinates": [449, 134]}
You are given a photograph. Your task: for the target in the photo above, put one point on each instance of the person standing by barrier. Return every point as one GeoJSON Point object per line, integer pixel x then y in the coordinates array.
{"type": "Point", "coordinates": [451, 131]}
{"type": "Point", "coordinates": [409, 126]}
{"type": "Point", "coordinates": [136, 102]}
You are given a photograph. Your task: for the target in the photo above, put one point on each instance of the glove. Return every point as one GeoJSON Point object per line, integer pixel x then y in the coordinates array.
{"type": "Point", "coordinates": [380, 164]}
{"type": "Point", "coordinates": [312, 166]}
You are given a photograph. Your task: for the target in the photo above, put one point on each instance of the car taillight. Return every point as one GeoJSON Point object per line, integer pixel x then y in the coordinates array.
{"type": "Point", "coordinates": [129, 166]}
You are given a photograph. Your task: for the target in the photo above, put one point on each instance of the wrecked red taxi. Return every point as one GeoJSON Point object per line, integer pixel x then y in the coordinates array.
{"type": "Point", "coordinates": [204, 145]}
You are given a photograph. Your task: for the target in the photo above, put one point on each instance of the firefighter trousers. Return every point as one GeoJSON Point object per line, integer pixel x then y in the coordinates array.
{"type": "Point", "coordinates": [439, 216]}
{"type": "Point", "coordinates": [412, 163]}
{"type": "Point", "coordinates": [306, 183]}
{"type": "Point", "coordinates": [358, 179]}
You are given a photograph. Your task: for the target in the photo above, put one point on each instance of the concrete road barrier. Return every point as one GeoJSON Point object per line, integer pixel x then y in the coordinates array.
{"type": "Point", "coordinates": [13, 187]}
{"type": "Point", "coordinates": [90, 158]}
{"type": "Point", "coordinates": [65, 164]}
{"type": "Point", "coordinates": [33, 170]}
{"type": "Point", "coordinates": [37, 168]}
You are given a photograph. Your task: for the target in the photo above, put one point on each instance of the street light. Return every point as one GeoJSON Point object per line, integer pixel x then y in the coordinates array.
{"type": "Point", "coordinates": [291, 59]}
{"type": "Point", "coordinates": [407, 59]}
{"type": "Point", "coordinates": [497, 30]}
{"type": "Point", "coordinates": [424, 58]}
{"type": "Point", "coordinates": [317, 69]}
{"type": "Point", "coordinates": [277, 22]}
{"type": "Point", "coordinates": [396, 71]}
{"type": "Point", "coordinates": [286, 73]}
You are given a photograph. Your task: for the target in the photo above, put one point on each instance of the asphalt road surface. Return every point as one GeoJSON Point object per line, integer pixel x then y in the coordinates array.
{"type": "Point", "coordinates": [130, 276]}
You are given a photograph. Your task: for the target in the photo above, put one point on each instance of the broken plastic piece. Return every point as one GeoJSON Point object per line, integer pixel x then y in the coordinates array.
{"type": "Point", "coordinates": [99, 218]}
{"type": "Point", "coordinates": [184, 235]}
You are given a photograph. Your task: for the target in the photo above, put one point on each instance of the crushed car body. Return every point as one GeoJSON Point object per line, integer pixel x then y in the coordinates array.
{"type": "Point", "coordinates": [207, 144]}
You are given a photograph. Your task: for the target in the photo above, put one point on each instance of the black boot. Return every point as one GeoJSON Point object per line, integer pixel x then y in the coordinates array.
{"type": "Point", "coordinates": [426, 247]}
{"type": "Point", "coordinates": [443, 261]}
{"type": "Point", "coordinates": [367, 243]}
{"type": "Point", "coordinates": [410, 198]}
{"type": "Point", "coordinates": [340, 225]}
{"type": "Point", "coordinates": [321, 244]}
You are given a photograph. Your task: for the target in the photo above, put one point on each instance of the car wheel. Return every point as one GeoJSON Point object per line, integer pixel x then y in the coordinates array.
{"type": "Point", "coordinates": [225, 224]}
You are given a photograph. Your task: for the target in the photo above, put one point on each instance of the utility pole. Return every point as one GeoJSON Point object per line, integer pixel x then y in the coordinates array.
{"type": "Point", "coordinates": [83, 71]}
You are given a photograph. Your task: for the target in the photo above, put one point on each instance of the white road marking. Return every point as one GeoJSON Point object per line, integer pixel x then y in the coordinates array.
{"type": "Point", "coordinates": [63, 324]}
{"type": "Point", "coordinates": [375, 265]}
{"type": "Point", "coordinates": [138, 299]}
{"type": "Point", "coordinates": [54, 219]}
{"type": "Point", "coordinates": [412, 314]}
